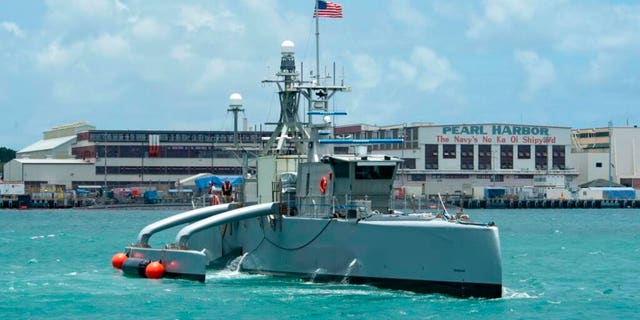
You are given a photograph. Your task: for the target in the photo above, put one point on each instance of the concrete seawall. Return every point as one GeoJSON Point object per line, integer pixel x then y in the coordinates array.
{"type": "Point", "coordinates": [543, 204]}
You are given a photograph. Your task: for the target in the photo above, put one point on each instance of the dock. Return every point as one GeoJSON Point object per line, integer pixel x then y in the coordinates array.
{"type": "Point", "coordinates": [542, 204]}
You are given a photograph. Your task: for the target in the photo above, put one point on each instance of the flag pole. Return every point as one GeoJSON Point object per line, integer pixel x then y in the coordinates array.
{"type": "Point", "coordinates": [317, 43]}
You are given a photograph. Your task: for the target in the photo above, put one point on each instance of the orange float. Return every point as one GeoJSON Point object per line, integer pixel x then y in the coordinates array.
{"type": "Point", "coordinates": [118, 259]}
{"type": "Point", "coordinates": [154, 270]}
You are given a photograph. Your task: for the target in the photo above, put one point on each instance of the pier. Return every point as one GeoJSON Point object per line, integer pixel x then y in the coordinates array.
{"type": "Point", "coordinates": [542, 204]}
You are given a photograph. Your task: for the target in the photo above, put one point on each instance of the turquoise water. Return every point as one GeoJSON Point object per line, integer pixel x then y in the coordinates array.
{"type": "Point", "coordinates": [557, 264]}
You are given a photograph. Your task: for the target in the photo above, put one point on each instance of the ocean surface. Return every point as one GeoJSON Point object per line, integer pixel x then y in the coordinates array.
{"type": "Point", "coordinates": [557, 264]}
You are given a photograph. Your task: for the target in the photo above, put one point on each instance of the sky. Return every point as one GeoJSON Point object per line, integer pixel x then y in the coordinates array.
{"type": "Point", "coordinates": [172, 65]}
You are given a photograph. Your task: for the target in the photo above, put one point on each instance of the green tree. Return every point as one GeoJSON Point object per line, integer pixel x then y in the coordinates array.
{"type": "Point", "coordinates": [6, 155]}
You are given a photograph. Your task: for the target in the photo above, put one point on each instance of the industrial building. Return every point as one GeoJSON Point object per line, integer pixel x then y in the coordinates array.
{"type": "Point", "coordinates": [453, 159]}
{"type": "Point", "coordinates": [525, 160]}
{"type": "Point", "coordinates": [608, 153]}
{"type": "Point", "coordinates": [78, 154]}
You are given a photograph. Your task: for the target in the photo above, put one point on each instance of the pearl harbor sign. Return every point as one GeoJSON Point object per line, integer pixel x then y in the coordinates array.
{"type": "Point", "coordinates": [500, 134]}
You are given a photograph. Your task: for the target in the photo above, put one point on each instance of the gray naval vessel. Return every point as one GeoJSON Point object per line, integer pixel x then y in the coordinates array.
{"type": "Point", "coordinates": [325, 216]}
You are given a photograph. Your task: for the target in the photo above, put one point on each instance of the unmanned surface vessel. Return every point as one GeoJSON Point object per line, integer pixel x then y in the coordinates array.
{"type": "Point", "coordinates": [325, 216]}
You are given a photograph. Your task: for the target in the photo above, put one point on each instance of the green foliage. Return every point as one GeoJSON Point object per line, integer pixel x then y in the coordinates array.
{"type": "Point", "coordinates": [6, 155]}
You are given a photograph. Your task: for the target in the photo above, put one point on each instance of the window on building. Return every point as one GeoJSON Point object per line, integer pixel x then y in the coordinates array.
{"type": "Point", "coordinates": [541, 158]}
{"type": "Point", "coordinates": [408, 163]}
{"type": "Point", "coordinates": [558, 158]}
{"type": "Point", "coordinates": [598, 164]}
{"type": "Point", "coordinates": [448, 151]}
{"type": "Point", "coordinates": [466, 157]}
{"type": "Point", "coordinates": [431, 156]}
{"type": "Point", "coordinates": [340, 150]}
{"type": "Point", "coordinates": [484, 157]}
{"type": "Point", "coordinates": [506, 156]}
{"type": "Point", "coordinates": [524, 151]}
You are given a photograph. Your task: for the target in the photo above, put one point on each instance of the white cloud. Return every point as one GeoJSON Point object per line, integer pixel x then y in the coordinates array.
{"type": "Point", "coordinates": [147, 28]}
{"type": "Point", "coordinates": [121, 6]}
{"type": "Point", "coordinates": [425, 69]}
{"type": "Point", "coordinates": [437, 70]}
{"type": "Point", "coordinates": [540, 72]}
{"type": "Point", "coordinates": [501, 15]}
{"type": "Point", "coordinates": [88, 93]}
{"type": "Point", "coordinates": [110, 46]}
{"type": "Point", "coordinates": [601, 69]}
{"type": "Point", "coordinates": [214, 71]}
{"type": "Point", "coordinates": [367, 69]}
{"type": "Point", "coordinates": [499, 11]}
{"type": "Point", "coordinates": [55, 56]}
{"type": "Point", "coordinates": [566, 25]}
{"type": "Point", "coordinates": [404, 12]}
{"type": "Point", "coordinates": [12, 28]}
{"type": "Point", "coordinates": [80, 8]}
{"type": "Point", "coordinates": [181, 52]}
{"type": "Point", "coordinates": [597, 28]}
{"type": "Point", "coordinates": [193, 19]}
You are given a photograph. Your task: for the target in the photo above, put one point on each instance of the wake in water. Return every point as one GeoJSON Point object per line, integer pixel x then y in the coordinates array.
{"type": "Point", "coordinates": [349, 271]}
{"type": "Point", "coordinates": [508, 294]}
{"type": "Point", "coordinates": [231, 271]}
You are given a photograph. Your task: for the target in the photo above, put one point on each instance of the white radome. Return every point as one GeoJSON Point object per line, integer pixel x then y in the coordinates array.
{"type": "Point", "coordinates": [235, 99]}
{"type": "Point", "coordinates": [287, 46]}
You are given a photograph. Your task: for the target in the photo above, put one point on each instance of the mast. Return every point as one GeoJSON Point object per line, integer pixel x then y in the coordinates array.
{"type": "Point", "coordinates": [317, 17]}
{"type": "Point", "coordinates": [289, 126]}
{"type": "Point", "coordinates": [304, 137]}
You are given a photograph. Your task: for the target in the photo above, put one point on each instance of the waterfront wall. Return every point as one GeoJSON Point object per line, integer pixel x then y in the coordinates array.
{"type": "Point", "coordinates": [543, 204]}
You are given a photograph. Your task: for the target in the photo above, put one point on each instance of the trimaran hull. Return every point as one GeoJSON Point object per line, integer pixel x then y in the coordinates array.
{"type": "Point", "coordinates": [418, 254]}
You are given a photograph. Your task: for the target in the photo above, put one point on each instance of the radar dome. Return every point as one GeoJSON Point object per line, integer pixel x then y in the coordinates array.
{"type": "Point", "coordinates": [235, 99]}
{"type": "Point", "coordinates": [287, 46]}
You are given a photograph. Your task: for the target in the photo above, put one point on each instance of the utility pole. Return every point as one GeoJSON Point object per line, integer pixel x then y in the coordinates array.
{"type": "Point", "coordinates": [610, 147]}
{"type": "Point", "coordinates": [104, 140]}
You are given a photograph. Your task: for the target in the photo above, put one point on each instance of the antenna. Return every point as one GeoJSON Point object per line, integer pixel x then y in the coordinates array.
{"type": "Point", "coordinates": [289, 126]}
{"type": "Point", "coordinates": [235, 106]}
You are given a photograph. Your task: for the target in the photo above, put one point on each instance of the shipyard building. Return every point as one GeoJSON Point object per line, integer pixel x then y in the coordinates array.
{"type": "Point", "coordinates": [79, 155]}
{"type": "Point", "coordinates": [466, 160]}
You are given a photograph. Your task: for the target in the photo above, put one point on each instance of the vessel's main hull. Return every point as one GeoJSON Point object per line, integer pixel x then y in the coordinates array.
{"type": "Point", "coordinates": [423, 256]}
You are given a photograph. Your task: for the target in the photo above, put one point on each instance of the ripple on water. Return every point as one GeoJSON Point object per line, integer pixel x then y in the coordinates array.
{"type": "Point", "coordinates": [508, 293]}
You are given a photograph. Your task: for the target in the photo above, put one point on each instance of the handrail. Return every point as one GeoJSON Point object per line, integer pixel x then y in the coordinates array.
{"type": "Point", "coordinates": [327, 113]}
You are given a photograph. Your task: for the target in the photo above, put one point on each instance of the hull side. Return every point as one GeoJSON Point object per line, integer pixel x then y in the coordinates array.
{"type": "Point", "coordinates": [422, 256]}
{"type": "Point", "coordinates": [457, 289]}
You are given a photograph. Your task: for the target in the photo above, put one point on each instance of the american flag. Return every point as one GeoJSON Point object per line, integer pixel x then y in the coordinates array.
{"type": "Point", "coordinates": [327, 9]}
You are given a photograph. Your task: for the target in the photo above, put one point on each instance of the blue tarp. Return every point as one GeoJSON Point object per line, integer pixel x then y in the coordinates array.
{"type": "Point", "coordinates": [614, 193]}
{"type": "Point", "coordinates": [203, 182]}
{"type": "Point", "coordinates": [494, 192]}
{"type": "Point", "coordinates": [151, 195]}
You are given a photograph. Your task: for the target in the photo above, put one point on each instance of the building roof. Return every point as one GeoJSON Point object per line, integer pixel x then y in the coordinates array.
{"type": "Point", "coordinates": [47, 144]}
{"type": "Point", "coordinates": [50, 161]}
{"type": "Point", "coordinates": [600, 183]}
